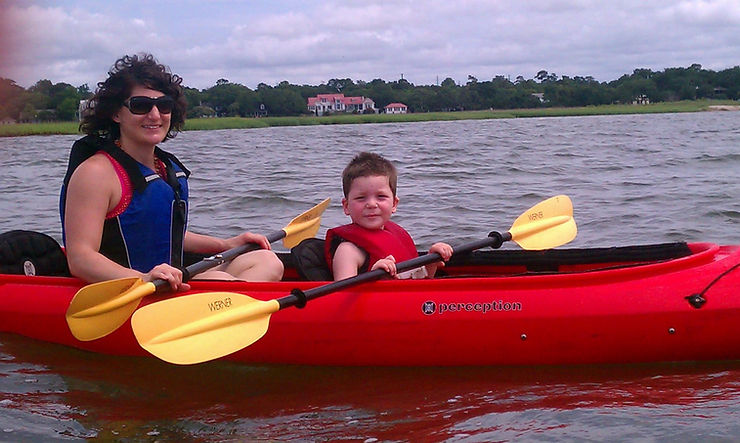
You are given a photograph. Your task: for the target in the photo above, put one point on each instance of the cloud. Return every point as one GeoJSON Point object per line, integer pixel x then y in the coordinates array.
{"type": "Point", "coordinates": [254, 42]}
{"type": "Point", "coordinates": [73, 46]}
{"type": "Point", "coordinates": [705, 12]}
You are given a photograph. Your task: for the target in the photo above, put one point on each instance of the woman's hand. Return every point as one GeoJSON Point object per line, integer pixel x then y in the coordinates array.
{"type": "Point", "coordinates": [248, 237]}
{"type": "Point", "coordinates": [169, 273]}
{"type": "Point", "coordinates": [387, 264]}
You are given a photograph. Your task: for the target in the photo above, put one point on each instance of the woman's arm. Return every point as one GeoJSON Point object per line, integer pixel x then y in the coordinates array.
{"type": "Point", "coordinates": [92, 191]}
{"type": "Point", "coordinates": [206, 244]}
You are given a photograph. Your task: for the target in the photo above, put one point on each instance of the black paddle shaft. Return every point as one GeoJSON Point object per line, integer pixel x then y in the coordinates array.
{"type": "Point", "coordinates": [299, 298]}
{"type": "Point", "coordinates": [217, 259]}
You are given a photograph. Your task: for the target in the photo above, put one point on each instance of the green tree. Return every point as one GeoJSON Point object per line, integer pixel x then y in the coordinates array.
{"type": "Point", "coordinates": [42, 87]}
{"type": "Point", "coordinates": [46, 100]}
{"type": "Point", "coordinates": [201, 111]}
{"type": "Point", "coordinates": [247, 102]}
{"type": "Point", "coordinates": [222, 96]}
{"type": "Point", "coordinates": [381, 93]}
{"type": "Point", "coordinates": [60, 92]}
{"type": "Point", "coordinates": [11, 99]}
{"type": "Point", "coordinates": [84, 91]}
{"type": "Point", "coordinates": [281, 101]}
{"type": "Point", "coordinates": [421, 99]}
{"type": "Point", "coordinates": [401, 85]}
{"type": "Point", "coordinates": [194, 98]}
{"type": "Point", "coordinates": [27, 114]}
{"type": "Point", "coordinates": [729, 79]}
{"type": "Point", "coordinates": [67, 109]}
{"type": "Point", "coordinates": [448, 83]}
{"type": "Point", "coordinates": [338, 85]}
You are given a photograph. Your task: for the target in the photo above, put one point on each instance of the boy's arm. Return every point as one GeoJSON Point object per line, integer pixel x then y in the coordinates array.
{"type": "Point", "coordinates": [347, 260]}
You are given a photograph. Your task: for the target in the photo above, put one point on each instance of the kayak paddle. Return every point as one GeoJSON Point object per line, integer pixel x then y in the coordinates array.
{"type": "Point", "coordinates": [201, 327]}
{"type": "Point", "coordinates": [100, 308]}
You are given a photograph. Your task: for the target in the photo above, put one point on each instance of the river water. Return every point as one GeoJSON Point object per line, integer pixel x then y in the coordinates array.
{"type": "Point", "coordinates": [633, 180]}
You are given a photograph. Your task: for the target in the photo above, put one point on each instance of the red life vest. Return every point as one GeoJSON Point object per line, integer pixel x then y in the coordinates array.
{"type": "Point", "coordinates": [378, 243]}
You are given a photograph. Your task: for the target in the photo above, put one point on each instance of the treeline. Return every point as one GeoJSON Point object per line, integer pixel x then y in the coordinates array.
{"type": "Point", "coordinates": [43, 101]}
{"type": "Point", "coordinates": [46, 101]}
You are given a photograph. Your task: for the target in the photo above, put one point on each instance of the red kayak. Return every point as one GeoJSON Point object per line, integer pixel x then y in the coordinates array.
{"type": "Point", "coordinates": [667, 302]}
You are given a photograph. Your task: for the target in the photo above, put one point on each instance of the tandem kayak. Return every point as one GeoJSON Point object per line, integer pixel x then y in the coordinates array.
{"type": "Point", "coordinates": [647, 303]}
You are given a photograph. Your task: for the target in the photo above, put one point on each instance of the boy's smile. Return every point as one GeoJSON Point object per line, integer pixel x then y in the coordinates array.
{"type": "Point", "coordinates": [370, 201]}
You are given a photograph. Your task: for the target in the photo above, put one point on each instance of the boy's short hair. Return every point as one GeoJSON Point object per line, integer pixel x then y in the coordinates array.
{"type": "Point", "coordinates": [368, 164]}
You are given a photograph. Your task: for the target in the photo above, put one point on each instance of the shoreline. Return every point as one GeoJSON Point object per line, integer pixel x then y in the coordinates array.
{"type": "Point", "coordinates": [204, 124]}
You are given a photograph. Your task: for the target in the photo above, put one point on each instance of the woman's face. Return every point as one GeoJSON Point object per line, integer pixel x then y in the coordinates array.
{"type": "Point", "coordinates": [142, 130]}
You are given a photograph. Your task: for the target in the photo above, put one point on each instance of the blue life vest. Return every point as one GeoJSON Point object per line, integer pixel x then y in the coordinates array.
{"type": "Point", "coordinates": [151, 229]}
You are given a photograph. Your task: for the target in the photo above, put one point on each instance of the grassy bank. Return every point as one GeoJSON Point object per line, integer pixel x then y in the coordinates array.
{"type": "Point", "coordinates": [238, 122]}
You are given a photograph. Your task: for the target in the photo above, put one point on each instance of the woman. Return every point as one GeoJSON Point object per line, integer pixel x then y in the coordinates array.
{"type": "Point", "coordinates": [124, 200]}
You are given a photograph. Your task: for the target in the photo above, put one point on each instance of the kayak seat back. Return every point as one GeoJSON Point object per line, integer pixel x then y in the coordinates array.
{"type": "Point", "coordinates": [31, 253]}
{"type": "Point", "coordinates": [310, 261]}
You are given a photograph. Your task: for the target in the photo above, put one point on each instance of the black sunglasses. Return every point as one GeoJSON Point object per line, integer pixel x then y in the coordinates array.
{"type": "Point", "coordinates": [143, 105]}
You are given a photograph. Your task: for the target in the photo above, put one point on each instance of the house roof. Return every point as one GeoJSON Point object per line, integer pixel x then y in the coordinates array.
{"type": "Point", "coordinates": [396, 105]}
{"type": "Point", "coordinates": [337, 97]}
{"type": "Point", "coordinates": [330, 97]}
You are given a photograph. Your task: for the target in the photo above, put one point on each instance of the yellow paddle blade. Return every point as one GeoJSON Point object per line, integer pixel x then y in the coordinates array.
{"type": "Point", "coordinates": [101, 308]}
{"type": "Point", "coordinates": [305, 225]}
{"type": "Point", "coordinates": [545, 225]}
{"type": "Point", "coordinates": [201, 327]}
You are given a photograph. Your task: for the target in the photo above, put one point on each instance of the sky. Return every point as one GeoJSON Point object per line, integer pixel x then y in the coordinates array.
{"type": "Point", "coordinates": [311, 42]}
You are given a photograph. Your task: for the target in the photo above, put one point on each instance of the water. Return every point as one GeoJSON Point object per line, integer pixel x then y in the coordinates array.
{"type": "Point", "coordinates": [633, 180]}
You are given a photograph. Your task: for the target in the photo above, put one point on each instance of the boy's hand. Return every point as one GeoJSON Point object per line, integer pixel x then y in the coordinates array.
{"type": "Point", "coordinates": [443, 249]}
{"type": "Point", "coordinates": [387, 264]}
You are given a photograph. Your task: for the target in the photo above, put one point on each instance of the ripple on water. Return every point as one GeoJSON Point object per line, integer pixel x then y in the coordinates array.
{"type": "Point", "coordinates": [633, 180]}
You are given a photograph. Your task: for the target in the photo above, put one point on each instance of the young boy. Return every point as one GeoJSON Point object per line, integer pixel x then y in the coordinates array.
{"type": "Point", "coordinates": [372, 241]}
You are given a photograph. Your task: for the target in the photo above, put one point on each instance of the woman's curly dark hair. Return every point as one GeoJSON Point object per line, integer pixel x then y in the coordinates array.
{"type": "Point", "coordinates": [126, 73]}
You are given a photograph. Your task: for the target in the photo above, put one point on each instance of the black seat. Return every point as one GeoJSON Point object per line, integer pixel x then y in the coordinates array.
{"type": "Point", "coordinates": [31, 253]}
{"type": "Point", "coordinates": [310, 261]}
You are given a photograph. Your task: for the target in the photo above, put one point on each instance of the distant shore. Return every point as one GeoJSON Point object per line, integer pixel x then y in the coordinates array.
{"type": "Point", "coordinates": [200, 124]}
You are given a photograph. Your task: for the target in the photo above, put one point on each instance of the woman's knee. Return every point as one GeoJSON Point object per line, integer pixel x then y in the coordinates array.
{"type": "Point", "coordinates": [273, 265]}
{"type": "Point", "coordinates": [261, 265]}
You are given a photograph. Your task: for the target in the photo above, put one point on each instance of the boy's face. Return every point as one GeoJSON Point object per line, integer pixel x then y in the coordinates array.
{"type": "Point", "coordinates": [370, 201]}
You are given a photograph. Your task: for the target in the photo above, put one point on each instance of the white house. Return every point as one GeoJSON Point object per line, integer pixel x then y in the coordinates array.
{"type": "Point", "coordinates": [81, 108]}
{"type": "Point", "coordinates": [641, 99]}
{"type": "Point", "coordinates": [396, 108]}
{"type": "Point", "coordinates": [323, 103]}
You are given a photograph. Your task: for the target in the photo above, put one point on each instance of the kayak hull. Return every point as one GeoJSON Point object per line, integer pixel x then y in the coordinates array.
{"type": "Point", "coordinates": [581, 314]}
